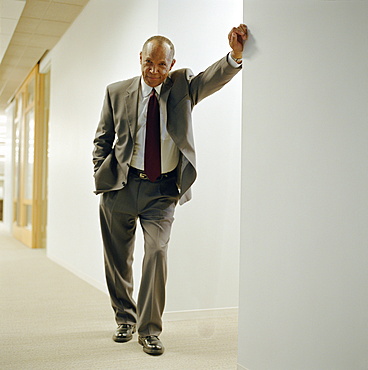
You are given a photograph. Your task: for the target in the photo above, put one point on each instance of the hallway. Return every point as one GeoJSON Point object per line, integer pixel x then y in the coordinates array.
{"type": "Point", "coordinates": [51, 319]}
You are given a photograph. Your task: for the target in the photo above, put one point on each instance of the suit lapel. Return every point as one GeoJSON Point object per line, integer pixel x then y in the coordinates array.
{"type": "Point", "coordinates": [165, 92]}
{"type": "Point", "coordinates": [131, 105]}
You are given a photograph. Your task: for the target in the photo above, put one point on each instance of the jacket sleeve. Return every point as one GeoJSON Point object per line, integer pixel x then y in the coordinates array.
{"type": "Point", "coordinates": [211, 80]}
{"type": "Point", "coordinates": [105, 133]}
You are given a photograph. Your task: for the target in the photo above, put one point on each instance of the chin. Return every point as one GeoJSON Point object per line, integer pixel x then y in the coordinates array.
{"type": "Point", "coordinates": [153, 83]}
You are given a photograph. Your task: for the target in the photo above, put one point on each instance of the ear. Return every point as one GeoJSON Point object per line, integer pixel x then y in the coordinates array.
{"type": "Point", "coordinates": [172, 63]}
{"type": "Point", "coordinates": [140, 57]}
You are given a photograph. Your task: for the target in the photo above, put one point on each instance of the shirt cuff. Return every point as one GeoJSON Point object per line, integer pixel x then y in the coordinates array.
{"type": "Point", "coordinates": [232, 62]}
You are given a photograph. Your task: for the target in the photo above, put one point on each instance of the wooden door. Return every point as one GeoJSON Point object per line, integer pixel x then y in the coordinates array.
{"type": "Point", "coordinates": [30, 162]}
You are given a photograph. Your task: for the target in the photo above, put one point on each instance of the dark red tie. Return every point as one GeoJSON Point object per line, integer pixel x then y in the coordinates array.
{"type": "Point", "coordinates": [152, 150]}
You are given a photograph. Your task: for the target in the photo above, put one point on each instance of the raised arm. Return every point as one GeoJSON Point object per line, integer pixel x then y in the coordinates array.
{"type": "Point", "coordinates": [221, 72]}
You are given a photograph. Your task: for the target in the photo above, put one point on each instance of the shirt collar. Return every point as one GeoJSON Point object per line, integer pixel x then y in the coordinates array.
{"type": "Point", "coordinates": [146, 90]}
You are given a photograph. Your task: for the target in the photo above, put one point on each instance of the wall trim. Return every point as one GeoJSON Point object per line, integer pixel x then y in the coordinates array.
{"type": "Point", "coordinates": [187, 315]}
{"type": "Point", "coordinates": [200, 314]}
{"type": "Point", "coordinates": [240, 367]}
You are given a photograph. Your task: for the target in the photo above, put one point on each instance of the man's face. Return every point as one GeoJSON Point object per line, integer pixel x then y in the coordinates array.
{"type": "Point", "coordinates": [156, 63]}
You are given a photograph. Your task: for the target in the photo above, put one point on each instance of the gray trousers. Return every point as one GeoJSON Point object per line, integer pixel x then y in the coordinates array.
{"type": "Point", "coordinates": [154, 205]}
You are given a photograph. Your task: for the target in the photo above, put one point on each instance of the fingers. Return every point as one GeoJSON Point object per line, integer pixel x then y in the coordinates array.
{"type": "Point", "coordinates": [237, 37]}
{"type": "Point", "coordinates": [241, 30]}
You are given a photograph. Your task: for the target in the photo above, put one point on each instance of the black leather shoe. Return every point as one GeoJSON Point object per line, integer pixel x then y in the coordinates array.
{"type": "Point", "coordinates": [124, 333]}
{"type": "Point", "coordinates": [151, 345]}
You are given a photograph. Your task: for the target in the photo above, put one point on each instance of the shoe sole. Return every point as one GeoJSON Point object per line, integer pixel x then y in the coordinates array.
{"type": "Point", "coordinates": [123, 340]}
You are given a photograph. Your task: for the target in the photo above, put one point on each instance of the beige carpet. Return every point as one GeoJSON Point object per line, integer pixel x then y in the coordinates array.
{"type": "Point", "coordinates": [50, 319]}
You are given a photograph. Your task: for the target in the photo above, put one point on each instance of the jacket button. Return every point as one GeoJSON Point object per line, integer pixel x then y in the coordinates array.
{"type": "Point", "coordinates": [124, 183]}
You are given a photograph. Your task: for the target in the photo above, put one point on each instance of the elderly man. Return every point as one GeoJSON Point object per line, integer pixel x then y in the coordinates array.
{"type": "Point", "coordinates": [144, 160]}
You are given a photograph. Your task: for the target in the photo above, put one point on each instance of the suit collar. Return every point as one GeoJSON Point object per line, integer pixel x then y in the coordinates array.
{"type": "Point", "coordinates": [134, 86]}
{"type": "Point", "coordinates": [166, 85]}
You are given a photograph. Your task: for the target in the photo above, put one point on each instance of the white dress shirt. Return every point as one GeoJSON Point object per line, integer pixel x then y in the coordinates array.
{"type": "Point", "coordinates": [169, 151]}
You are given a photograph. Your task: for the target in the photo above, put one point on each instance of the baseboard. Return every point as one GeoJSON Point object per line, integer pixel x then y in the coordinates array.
{"type": "Point", "coordinates": [167, 316]}
{"type": "Point", "coordinates": [200, 314]}
{"type": "Point", "coordinates": [240, 367]}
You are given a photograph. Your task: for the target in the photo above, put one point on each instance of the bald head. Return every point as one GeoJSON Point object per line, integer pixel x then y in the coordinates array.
{"type": "Point", "coordinates": [161, 40]}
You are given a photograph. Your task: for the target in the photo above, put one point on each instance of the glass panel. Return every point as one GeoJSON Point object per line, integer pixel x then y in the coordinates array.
{"type": "Point", "coordinates": [2, 161]}
{"type": "Point", "coordinates": [30, 92]}
{"type": "Point", "coordinates": [2, 156]}
{"type": "Point", "coordinates": [24, 160]}
{"type": "Point", "coordinates": [17, 158]}
{"type": "Point", "coordinates": [29, 154]}
{"type": "Point", "coordinates": [28, 222]}
{"type": "Point", "coordinates": [18, 107]}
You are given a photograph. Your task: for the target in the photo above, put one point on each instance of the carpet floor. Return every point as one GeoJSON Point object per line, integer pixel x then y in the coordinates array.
{"type": "Point", "coordinates": [51, 319]}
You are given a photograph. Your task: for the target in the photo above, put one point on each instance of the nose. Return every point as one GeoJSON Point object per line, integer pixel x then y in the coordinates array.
{"type": "Point", "coordinates": [154, 69]}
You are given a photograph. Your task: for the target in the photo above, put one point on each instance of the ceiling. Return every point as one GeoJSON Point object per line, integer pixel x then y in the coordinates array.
{"type": "Point", "coordinates": [28, 29]}
{"type": "Point", "coordinates": [10, 11]}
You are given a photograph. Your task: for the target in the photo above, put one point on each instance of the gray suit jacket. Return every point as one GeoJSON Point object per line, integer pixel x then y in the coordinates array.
{"type": "Point", "coordinates": [115, 135]}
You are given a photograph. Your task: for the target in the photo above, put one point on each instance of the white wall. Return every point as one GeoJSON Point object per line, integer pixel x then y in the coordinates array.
{"type": "Point", "coordinates": [303, 293]}
{"type": "Point", "coordinates": [209, 252]}
{"type": "Point", "coordinates": [101, 47]}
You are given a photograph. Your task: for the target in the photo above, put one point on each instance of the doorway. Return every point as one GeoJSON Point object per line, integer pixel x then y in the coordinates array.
{"type": "Point", "coordinates": [30, 133]}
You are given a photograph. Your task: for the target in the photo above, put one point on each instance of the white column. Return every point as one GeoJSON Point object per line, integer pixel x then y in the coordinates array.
{"type": "Point", "coordinates": [304, 238]}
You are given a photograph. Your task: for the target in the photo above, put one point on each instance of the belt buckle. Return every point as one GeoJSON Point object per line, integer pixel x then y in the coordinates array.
{"type": "Point", "coordinates": [143, 176]}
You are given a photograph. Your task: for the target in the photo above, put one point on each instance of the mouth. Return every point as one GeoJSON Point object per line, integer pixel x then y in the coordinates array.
{"type": "Point", "coordinates": [153, 81]}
